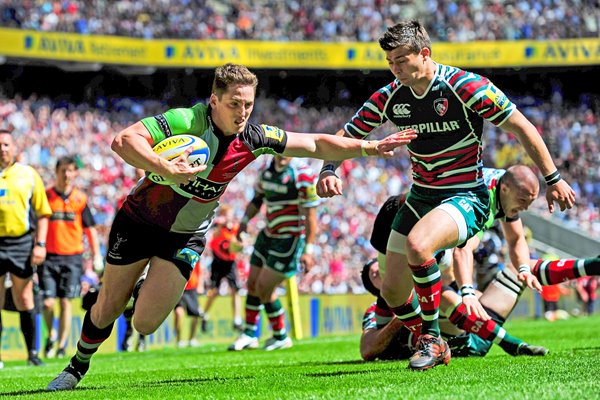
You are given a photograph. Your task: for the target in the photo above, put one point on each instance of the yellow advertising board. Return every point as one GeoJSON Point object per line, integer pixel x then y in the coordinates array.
{"type": "Point", "coordinates": [177, 53]}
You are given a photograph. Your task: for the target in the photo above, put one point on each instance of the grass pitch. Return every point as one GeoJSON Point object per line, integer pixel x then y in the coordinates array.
{"type": "Point", "coordinates": [330, 368]}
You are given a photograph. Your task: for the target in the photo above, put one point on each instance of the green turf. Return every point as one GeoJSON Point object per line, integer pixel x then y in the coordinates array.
{"type": "Point", "coordinates": [329, 368]}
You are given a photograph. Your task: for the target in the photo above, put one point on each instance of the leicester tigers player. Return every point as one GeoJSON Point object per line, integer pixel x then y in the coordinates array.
{"type": "Point", "coordinates": [511, 191]}
{"type": "Point", "coordinates": [165, 226]}
{"type": "Point", "coordinates": [448, 202]}
{"type": "Point", "coordinates": [286, 242]}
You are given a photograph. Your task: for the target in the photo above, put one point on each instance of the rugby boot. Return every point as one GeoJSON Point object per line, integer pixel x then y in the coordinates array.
{"type": "Point", "coordinates": [66, 380]}
{"type": "Point", "coordinates": [526, 349]}
{"type": "Point", "coordinates": [278, 344]}
{"type": "Point", "coordinates": [431, 351]}
{"type": "Point", "coordinates": [244, 342]}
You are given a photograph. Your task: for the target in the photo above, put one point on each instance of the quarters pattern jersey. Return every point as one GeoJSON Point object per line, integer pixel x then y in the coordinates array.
{"type": "Point", "coordinates": [284, 193]}
{"type": "Point", "coordinates": [190, 208]}
{"type": "Point", "coordinates": [448, 119]}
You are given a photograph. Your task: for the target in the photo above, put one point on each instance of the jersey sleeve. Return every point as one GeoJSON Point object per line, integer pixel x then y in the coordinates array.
{"type": "Point", "coordinates": [39, 199]}
{"type": "Point", "coordinates": [177, 121]}
{"type": "Point", "coordinates": [306, 183]}
{"type": "Point", "coordinates": [370, 115]}
{"type": "Point", "coordinates": [264, 139]}
{"type": "Point", "coordinates": [369, 318]}
{"type": "Point", "coordinates": [482, 96]}
{"type": "Point", "coordinates": [87, 218]}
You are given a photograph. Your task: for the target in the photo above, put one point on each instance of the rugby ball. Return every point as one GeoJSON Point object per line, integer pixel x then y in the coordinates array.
{"type": "Point", "coordinates": [172, 147]}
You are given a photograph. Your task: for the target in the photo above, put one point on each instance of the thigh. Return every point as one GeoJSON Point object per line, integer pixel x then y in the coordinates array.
{"type": "Point", "coordinates": [117, 286]}
{"type": "Point", "coordinates": [284, 255]}
{"type": "Point", "coordinates": [267, 281]}
{"type": "Point", "coordinates": [160, 292]}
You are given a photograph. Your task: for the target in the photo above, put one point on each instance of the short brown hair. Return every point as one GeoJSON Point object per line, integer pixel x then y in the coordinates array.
{"type": "Point", "coordinates": [410, 34]}
{"type": "Point", "coordinates": [232, 74]}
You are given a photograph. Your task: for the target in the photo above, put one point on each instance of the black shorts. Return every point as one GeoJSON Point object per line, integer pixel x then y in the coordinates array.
{"type": "Point", "coordinates": [189, 301]}
{"type": "Point", "coordinates": [130, 241]}
{"type": "Point", "coordinates": [60, 276]}
{"type": "Point", "coordinates": [220, 269]}
{"type": "Point", "coordinates": [382, 227]}
{"type": "Point", "coordinates": [15, 256]}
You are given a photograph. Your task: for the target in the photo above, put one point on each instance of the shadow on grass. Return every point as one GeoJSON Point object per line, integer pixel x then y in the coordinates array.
{"type": "Point", "coordinates": [164, 382]}
{"type": "Point", "coordinates": [586, 349]}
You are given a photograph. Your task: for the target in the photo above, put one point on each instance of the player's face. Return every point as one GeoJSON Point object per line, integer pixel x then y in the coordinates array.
{"type": "Point", "coordinates": [406, 66]}
{"type": "Point", "coordinates": [65, 175]}
{"type": "Point", "coordinates": [7, 150]}
{"type": "Point", "coordinates": [232, 110]}
{"type": "Point", "coordinates": [374, 275]}
{"type": "Point", "coordinates": [281, 162]}
{"type": "Point", "coordinates": [517, 200]}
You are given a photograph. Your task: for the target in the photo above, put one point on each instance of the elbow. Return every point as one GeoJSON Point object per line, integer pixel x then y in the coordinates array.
{"type": "Point", "coordinates": [117, 143]}
{"type": "Point", "coordinates": [367, 355]}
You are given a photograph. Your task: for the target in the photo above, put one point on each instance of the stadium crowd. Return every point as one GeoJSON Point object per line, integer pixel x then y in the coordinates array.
{"type": "Point", "coordinates": [292, 20]}
{"type": "Point", "coordinates": [46, 130]}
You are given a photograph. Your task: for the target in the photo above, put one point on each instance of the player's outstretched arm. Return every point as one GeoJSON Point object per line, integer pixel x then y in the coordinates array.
{"type": "Point", "coordinates": [329, 184]}
{"type": "Point", "coordinates": [558, 190]}
{"type": "Point", "coordinates": [518, 251]}
{"type": "Point", "coordinates": [373, 342]}
{"type": "Point", "coordinates": [331, 147]}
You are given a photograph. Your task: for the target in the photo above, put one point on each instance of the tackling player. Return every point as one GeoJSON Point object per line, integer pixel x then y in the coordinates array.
{"type": "Point", "coordinates": [448, 202]}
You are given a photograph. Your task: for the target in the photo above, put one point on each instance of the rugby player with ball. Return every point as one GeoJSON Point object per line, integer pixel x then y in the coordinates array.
{"type": "Point", "coordinates": [165, 224]}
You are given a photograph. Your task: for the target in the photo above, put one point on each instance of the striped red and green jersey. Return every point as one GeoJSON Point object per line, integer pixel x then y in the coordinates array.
{"type": "Point", "coordinates": [448, 118]}
{"type": "Point", "coordinates": [284, 192]}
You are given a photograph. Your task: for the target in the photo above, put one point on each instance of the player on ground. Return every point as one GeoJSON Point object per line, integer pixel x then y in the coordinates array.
{"type": "Point", "coordinates": [165, 226]}
{"type": "Point", "coordinates": [386, 338]}
{"type": "Point", "coordinates": [287, 242]}
{"type": "Point", "coordinates": [448, 202]}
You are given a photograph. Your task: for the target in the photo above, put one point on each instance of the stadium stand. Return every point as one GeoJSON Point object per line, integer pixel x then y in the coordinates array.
{"type": "Point", "coordinates": [290, 20]}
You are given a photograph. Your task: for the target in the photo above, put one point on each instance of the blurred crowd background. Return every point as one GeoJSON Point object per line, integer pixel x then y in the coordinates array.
{"type": "Point", "coordinates": [317, 20]}
{"type": "Point", "coordinates": [47, 126]}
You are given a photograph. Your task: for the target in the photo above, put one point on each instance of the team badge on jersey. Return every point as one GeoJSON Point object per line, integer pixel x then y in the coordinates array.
{"type": "Point", "coordinates": [440, 106]}
{"type": "Point", "coordinates": [496, 96]}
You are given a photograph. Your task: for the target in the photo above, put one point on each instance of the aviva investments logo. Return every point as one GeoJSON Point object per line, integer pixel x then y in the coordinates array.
{"type": "Point", "coordinates": [564, 51]}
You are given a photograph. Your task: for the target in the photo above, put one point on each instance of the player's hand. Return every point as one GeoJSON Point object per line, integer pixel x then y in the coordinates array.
{"type": "Point", "coordinates": [329, 185]}
{"type": "Point", "coordinates": [307, 262]}
{"type": "Point", "coordinates": [38, 255]}
{"type": "Point", "coordinates": [241, 233]}
{"type": "Point", "coordinates": [385, 147]}
{"type": "Point", "coordinates": [179, 170]}
{"type": "Point", "coordinates": [561, 193]}
{"type": "Point", "coordinates": [531, 281]}
{"type": "Point", "coordinates": [474, 307]}
{"type": "Point", "coordinates": [98, 263]}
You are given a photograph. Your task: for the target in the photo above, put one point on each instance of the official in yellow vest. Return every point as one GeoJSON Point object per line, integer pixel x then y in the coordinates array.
{"type": "Point", "coordinates": [24, 212]}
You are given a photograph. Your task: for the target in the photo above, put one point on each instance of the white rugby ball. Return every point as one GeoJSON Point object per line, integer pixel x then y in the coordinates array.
{"type": "Point", "coordinates": [172, 147]}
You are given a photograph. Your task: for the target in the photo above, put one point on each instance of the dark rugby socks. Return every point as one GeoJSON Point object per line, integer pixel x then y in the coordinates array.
{"type": "Point", "coordinates": [428, 286]}
{"type": "Point", "coordinates": [553, 272]}
{"type": "Point", "coordinates": [410, 314]}
{"type": "Point", "coordinates": [276, 315]}
{"type": "Point", "coordinates": [253, 308]}
{"type": "Point", "coordinates": [89, 342]}
{"type": "Point", "coordinates": [488, 330]}
{"type": "Point", "coordinates": [28, 328]}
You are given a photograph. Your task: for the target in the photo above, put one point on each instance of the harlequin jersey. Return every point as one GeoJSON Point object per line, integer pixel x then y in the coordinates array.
{"type": "Point", "coordinates": [190, 208]}
{"type": "Point", "coordinates": [448, 119]}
